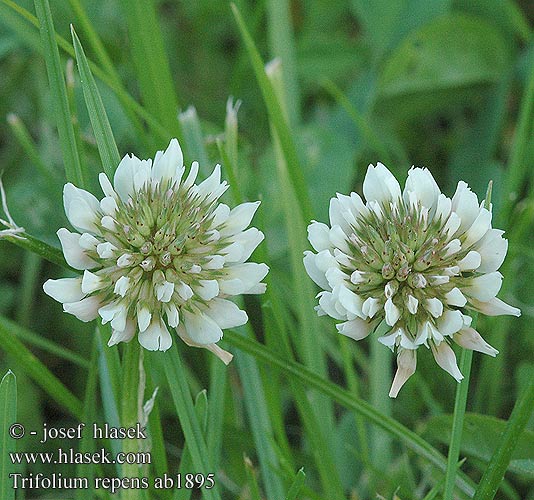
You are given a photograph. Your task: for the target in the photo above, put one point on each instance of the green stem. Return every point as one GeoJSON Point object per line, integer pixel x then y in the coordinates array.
{"type": "Point", "coordinates": [457, 424]}
{"type": "Point", "coordinates": [298, 372]}
{"type": "Point", "coordinates": [130, 412]}
{"type": "Point", "coordinates": [500, 460]}
{"type": "Point", "coordinates": [183, 402]}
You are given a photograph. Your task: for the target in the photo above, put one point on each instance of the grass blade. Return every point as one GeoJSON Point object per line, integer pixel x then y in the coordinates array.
{"type": "Point", "coordinates": [8, 415]}
{"type": "Point", "coordinates": [345, 398]}
{"type": "Point", "coordinates": [258, 413]}
{"type": "Point", "coordinates": [39, 373]}
{"type": "Point", "coordinates": [277, 118]}
{"type": "Point", "coordinates": [105, 141]}
{"type": "Point", "coordinates": [151, 62]}
{"type": "Point", "coordinates": [43, 343]}
{"type": "Point", "coordinates": [297, 485]}
{"type": "Point", "coordinates": [283, 47]}
{"type": "Point", "coordinates": [191, 427]}
{"type": "Point", "coordinates": [494, 473]}
{"type": "Point", "coordinates": [73, 169]}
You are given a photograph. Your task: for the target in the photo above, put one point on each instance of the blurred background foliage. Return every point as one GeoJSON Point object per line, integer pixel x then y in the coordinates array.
{"type": "Point", "coordinates": [436, 83]}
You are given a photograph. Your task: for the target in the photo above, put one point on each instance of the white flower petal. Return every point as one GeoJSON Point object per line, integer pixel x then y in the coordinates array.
{"type": "Point", "coordinates": [495, 307]}
{"type": "Point", "coordinates": [492, 248]}
{"type": "Point", "coordinates": [184, 290]}
{"type": "Point", "coordinates": [327, 304]}
{"type": "Point", "coordinates": [207, 289]}
{"type": "Point", "coordinates": [338, 238]}
{"type": "Point", "coordinates": [484, 287]}
{"type": "Point", "coordinates": [421, 182]}
{"type": "Point", "coordinates": [478, 229]}
{"type": "Point", "coordinates": [173, 317]}
{"type": "Point", "coordinates": [412, 304]}
{"type": "Point", "coordinates": [169, 165]}
{"type": "Point", "coordinates": [318, 235]}
{"type": "Point", "coordinates": [470, 262]}
{"type": "Point", "coordinates": [156, 337]}
{"type": "Point", "coordinates": [108, 205]}
{"type": "Point", "coordinates": [313, 272]}
{"type": "Point", "coordinates": [471, 339]}
{"type": "Point", "coordinates": [455, 298]}
{"type": "Point", "coordinates": [242, 278]}
{"type": "Point", "coordinates": [144, 317]}
{"type": "Point", "coordinates": [350, 301]}
{"type": "Point", "coordinates": [123, 178]}
{"type": "Point", "coordinates": [445, 357]}
{"type": "Point", "coordinates": [81, 208]}
{"type": "Point", "coordinates": [392, 312]}
{"type": "Point", "coordinates": [406, 364]}
{"type": "Point", "coordinates": [201, 328]}
{"type": "Point", "coordinates": [105, 250]}
{"type": "Point", "coordinates": [74, 254]}
{"type": "Point", "coordinates": [356, 329]}
{"type": "Point", "coordinates": [191, 176]}
{"type": "Point", "coordinates": [122, 335]}
{"type": "Point", "coordinates": [64, 289]}
{"type": "Point", "coordinates": [91, 282]}
{"type": "Point", "coordinates": [164, 291]}
{"type": "Point", "coordinates": [450, 322]}
{"type": "Point", "coordinates": [370, 307]}
{"type": "Point", "coordinates": [434, 306]}
{"type": "Point", "coordinates": [122, 285]}
{"type": "Point", "coordinates": [106, 186]}
{"type": "Point", "coordinates": [239, 218]}
{"type": "Point", "coordinates": [465, 204]}
{"type": "Point", "coordinates": [225, 313]}
{"type": "Point", "coordinates": [380, 184]}
{"type": "Point", "coordinates": [86, 309]}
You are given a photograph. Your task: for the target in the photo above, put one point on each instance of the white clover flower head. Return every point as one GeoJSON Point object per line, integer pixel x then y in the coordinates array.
{"type": "Point", "coordinates": [159, 251]}
{"type": "Point", "coordinates": [416, 260]}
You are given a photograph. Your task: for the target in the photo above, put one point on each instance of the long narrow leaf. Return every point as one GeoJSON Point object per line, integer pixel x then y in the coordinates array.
{"type": "Point", "coordinates": [277, 118]}
{"type": "Point", "coordinates": [500, 460]}
{"type": "Point", "coordinates": [105, 141]}
{"type": "Point", "coordinates": [151, 62]}
{"type": "Point", "coordinates": [297, 485]}
{"type": "Point", "coordinates": [58, 90]}
{"type": "Point", "coordinates": [39, 373]}
{"type": "Point", "coordinates": [343, 397]}
{"type": "Point", "coordinates": [8, 415]}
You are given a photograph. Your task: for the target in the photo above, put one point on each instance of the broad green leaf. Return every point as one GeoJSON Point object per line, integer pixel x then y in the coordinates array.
{"type": "Point", "coordinates": [506, 14]}
{"type": "Point", "coordinates": [71, 157]}
{"type": "Point", "coordinates": [8, 415]}
{"type": "Point", "coordinates": [107, 148]}
{"type": "Point", "coordinates": [453, 52]}
{"type": "Point", "coordinates": [385, 22]}
{"type": "Point", "coordinates": [481, 435]}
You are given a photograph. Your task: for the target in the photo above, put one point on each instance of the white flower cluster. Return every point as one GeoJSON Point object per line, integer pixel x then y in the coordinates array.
{"type": "Point", "coordinates": [415, 259]}
{"type": "Point", "coordinates": [159, 250]}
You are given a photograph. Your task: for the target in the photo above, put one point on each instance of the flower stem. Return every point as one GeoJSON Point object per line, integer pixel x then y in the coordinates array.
{"type": "Point", "coordinates": [457, 424]}
{"type": "Point", "coordinates": [183, 402]}
{"type": "Point", "coordinates": [130, 412]}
